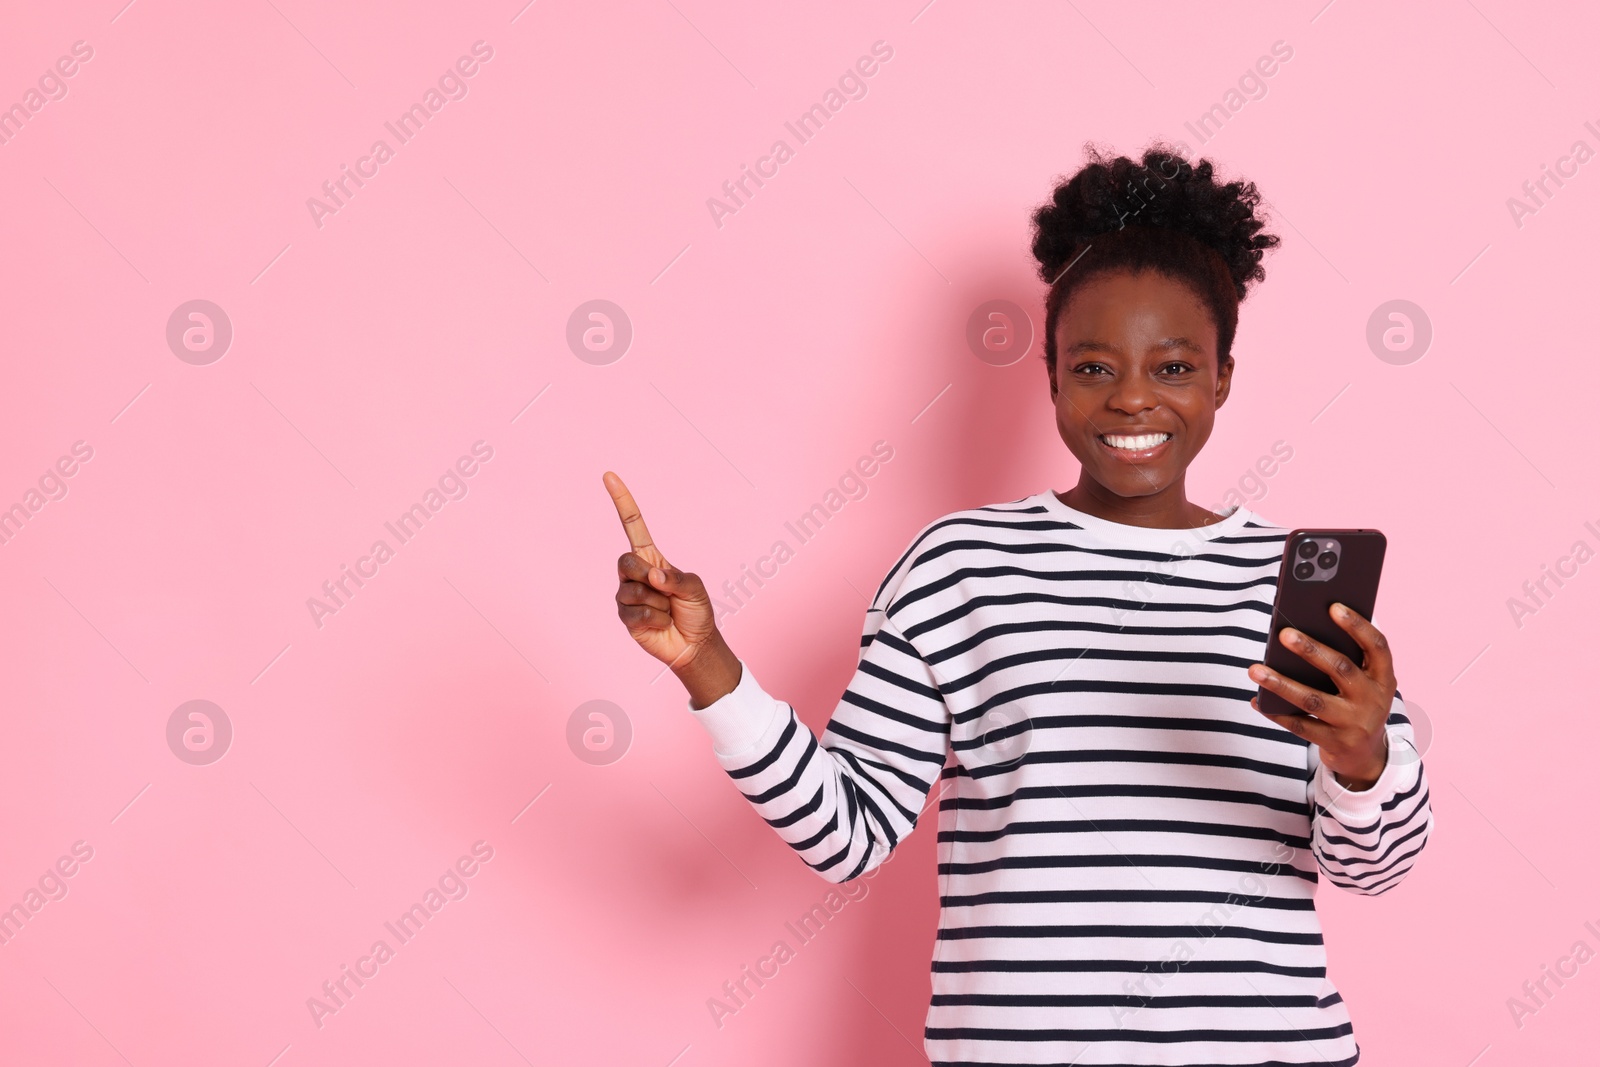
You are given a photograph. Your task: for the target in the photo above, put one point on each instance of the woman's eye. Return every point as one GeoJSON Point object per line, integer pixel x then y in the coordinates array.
{"type": "Point", "coordinates": [1181, 368]}
{"type": "Point", "coordinates": [1090, 369]}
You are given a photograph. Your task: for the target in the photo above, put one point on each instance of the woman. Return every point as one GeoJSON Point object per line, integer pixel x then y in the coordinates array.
{"type": "Point", "coordinates": [1128, 846]}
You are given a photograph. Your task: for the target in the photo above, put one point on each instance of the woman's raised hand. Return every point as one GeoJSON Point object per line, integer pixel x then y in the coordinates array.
{"type": "Point", "coordinates": [666, 610]}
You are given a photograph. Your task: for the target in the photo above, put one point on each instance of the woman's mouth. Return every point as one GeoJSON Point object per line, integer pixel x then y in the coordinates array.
{"type": "Point", "coordinates": [1135, 447]}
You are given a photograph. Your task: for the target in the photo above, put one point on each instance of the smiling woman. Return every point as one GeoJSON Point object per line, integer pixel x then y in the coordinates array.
{"type": "Point", "coordinates": [1144, 360]}
{"type": "Point", "coordinates": [1136, 388]}
{"type": "Point", "coordinates": [1080, 670]}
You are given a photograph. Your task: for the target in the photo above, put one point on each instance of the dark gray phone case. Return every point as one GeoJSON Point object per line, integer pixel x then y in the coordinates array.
{"type": "Point", "coordinates": [1303, 604]}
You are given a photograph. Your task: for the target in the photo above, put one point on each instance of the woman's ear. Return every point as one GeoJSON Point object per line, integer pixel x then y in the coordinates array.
{"type": "Point", "coordinates": [1224, 380]}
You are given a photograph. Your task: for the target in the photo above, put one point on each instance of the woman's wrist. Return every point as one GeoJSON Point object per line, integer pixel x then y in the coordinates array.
{"type": "Point", "coordinates": [1354, 785]}
{"type": "Point", "coordinates": [1374, 771]}
{"type": "Point", "coordinates": [711, 674]}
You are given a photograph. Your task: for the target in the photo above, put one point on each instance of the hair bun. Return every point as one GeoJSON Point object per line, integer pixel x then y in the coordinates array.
{"type": "Point", "coordinates": [1163, 190]}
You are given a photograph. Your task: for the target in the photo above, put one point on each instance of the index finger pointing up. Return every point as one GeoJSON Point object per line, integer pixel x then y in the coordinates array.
{"type": "Point", "coordinates": [632, 521]}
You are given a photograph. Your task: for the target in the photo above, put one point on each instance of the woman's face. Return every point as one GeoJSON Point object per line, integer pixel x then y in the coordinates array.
{"type": "Point", "coordinates": [1136, 382]}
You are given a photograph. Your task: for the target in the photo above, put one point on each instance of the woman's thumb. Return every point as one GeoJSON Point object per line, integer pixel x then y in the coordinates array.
{"type": "Point", "coordinates": [675, 583]}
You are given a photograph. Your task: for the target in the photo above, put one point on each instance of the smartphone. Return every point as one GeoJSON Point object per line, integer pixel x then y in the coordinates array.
{"type": "Point", "coordinates": [1321, 568]}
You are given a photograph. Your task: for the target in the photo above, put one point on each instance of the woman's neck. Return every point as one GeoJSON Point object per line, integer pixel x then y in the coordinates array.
{"type": "Point", "coordinates": [1168, 509]}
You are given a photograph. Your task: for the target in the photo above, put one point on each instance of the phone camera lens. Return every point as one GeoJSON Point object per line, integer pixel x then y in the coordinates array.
{"type": "Point", "coordinates": [1327, 559]}
{"type": "Point", "coordinates": [1303, 570]}
{"type": "Point", "coordinates": [1307, 549]}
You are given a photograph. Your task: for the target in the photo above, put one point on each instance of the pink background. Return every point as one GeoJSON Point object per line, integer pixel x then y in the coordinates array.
{"type": "Point", "coordinates": [768, 355]}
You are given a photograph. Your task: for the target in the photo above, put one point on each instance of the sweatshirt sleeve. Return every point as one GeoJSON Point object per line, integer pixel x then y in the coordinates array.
{"type": "Point", "coordinates": [1367, 841]}
{"type": "Point", "coordinates": [844, 802]}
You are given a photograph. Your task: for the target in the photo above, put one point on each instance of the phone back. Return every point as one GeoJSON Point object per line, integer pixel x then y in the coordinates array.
{"type": "Point", "coordinates": [1321, 568]}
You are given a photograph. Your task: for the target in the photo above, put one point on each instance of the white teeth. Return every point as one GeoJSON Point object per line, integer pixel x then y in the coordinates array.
{"type": "Point", "coordinates": [1135, 443]}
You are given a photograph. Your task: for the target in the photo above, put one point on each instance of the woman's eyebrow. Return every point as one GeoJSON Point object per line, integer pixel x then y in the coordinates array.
{"type": "Point", "coordinates": [1169, 343]}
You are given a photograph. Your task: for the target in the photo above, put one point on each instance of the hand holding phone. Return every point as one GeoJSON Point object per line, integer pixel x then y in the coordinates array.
{"type": "Point", "coordinates": [1327, 678]}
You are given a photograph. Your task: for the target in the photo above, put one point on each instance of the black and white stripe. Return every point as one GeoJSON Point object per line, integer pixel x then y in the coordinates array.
{"type": "Point", "coordinates": [1128, 852]}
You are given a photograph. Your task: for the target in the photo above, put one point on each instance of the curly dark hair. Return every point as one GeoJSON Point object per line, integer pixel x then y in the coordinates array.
{"type": "Point", "coordinates": [1158, 213]}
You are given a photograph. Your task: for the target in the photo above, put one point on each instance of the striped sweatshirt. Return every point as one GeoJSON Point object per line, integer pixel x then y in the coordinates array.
{"type": "Point", "coordinates": [1128, 852]}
